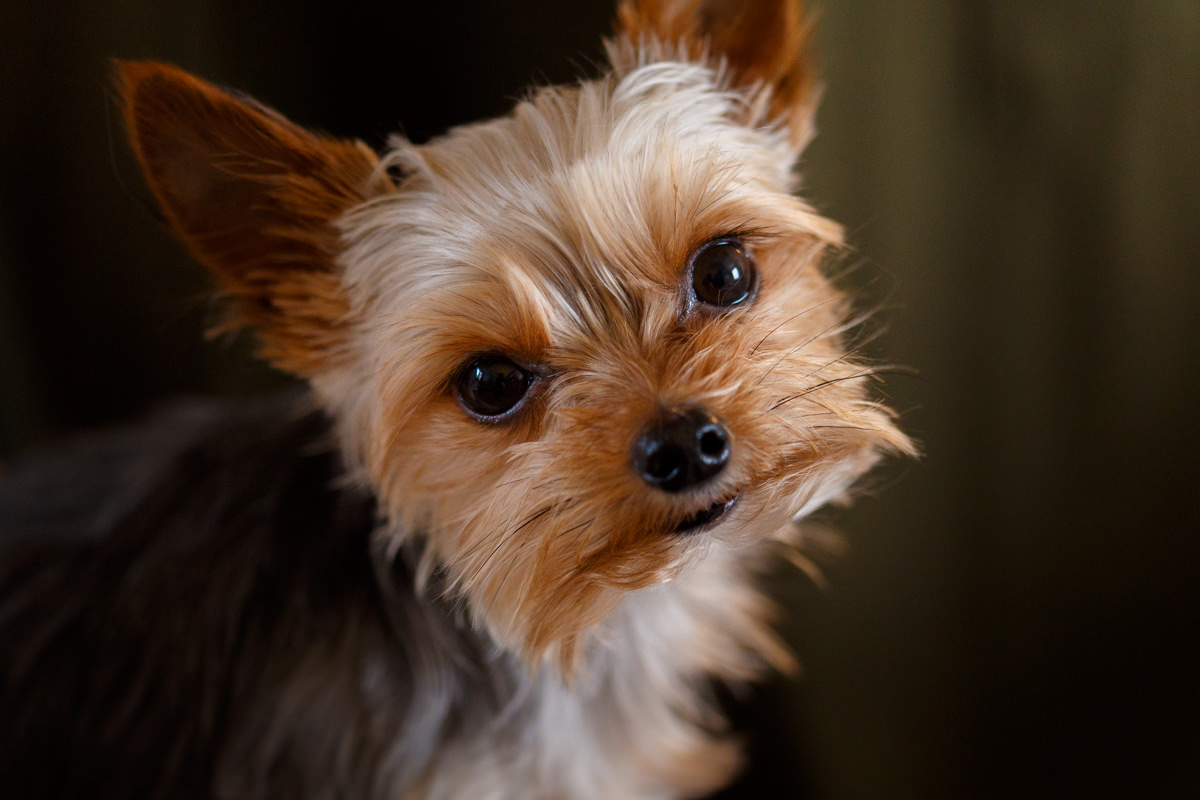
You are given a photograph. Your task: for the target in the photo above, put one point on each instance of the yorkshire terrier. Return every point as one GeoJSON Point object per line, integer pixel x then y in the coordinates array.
{"type": "Point", "coordinates": [575, 374]}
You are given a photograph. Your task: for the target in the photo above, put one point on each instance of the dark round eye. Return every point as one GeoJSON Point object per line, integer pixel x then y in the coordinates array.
{"type": "Point", "coordinates": [492, 385]}
{"type": "Point", "coordinates": [723, 274]}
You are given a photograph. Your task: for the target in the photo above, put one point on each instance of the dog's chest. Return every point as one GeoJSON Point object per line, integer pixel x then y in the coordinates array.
{"type": "Point", "coordinates": [635, 724]}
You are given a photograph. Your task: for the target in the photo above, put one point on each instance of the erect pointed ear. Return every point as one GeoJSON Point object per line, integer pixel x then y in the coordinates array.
{"type": "Point", "coordinates": [255, 198]}
{"type": "Point", "coordinates": [764, 45]}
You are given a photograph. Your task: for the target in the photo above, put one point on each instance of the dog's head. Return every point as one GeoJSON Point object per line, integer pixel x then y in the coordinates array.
{"type": "Point", "coordinates": [571, 349]}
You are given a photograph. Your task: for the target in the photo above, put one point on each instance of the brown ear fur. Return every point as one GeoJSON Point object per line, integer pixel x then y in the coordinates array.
{"type": "Point", "coordinates": [764, 43]}
{"type": "Point", "coordinates": [254, 197]}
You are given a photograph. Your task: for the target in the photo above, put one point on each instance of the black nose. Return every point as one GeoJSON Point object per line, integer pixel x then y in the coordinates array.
{"type": "Point", "coordinates": [682, 449]}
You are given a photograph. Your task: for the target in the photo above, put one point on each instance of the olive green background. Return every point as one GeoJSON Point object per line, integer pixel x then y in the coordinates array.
{"type": "Point", "coordinates": [1017, 616]}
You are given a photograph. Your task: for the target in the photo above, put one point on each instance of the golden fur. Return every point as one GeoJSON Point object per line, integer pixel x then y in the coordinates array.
{"type": "Point", "coordinates": [560, 236]}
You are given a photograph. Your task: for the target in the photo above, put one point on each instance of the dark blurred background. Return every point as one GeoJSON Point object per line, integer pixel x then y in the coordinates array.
{"type": "Point", "coordinates": [1018, 613]}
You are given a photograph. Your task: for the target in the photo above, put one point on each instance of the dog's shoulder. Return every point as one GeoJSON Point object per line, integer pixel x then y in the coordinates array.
{"type": "Point", "coordinates": [82, 485]}
{"type": "Point", "coordinates": [153, 576]}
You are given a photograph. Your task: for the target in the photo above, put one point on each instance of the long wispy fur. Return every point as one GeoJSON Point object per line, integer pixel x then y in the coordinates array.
{"type": "Point", "coordinates": [394, 597]}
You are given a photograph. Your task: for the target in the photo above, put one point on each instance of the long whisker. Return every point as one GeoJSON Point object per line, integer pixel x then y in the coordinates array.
{"type": "Point", "coordinates": [833, 330]}
{"type": "Point", "coordinates": [792, 318]}
{"type": "Point", "coordinates": [867, 373]}
{"type": "Point", "coordinates": [506, 538]}
{"type": "Point", "coordinates": [792, 351]}
{"type": "Point", "coordinates": [841, 428]}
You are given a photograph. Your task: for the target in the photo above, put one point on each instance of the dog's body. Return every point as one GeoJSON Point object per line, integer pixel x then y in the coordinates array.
{"type": "Point", "coordinates": [575, 372]}
{"type": "Point", "coordinates": [208, 620]}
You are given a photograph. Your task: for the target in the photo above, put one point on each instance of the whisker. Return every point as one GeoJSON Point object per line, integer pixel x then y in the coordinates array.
{"type": "Point", "coordinates": [566, 574]}
{"type": "Point", "coordinates": [804, 434]}
{"type": "Point", "coordinates": [837, 328]}
{"type": "Point", "coordinates": [506, 538]}
{"type": "Point", "coordinates": [841, 428]}
{"type": "Point", "coordinates": [792, 351]}
{"type": "Point", "coordinates": [792, 318]}
{"type": "Point", "coordinates": [840, 359]}
{"type": "Point", "coordinates": [536, 487]}
{"type": "Point", "coordinates": [822, 385]}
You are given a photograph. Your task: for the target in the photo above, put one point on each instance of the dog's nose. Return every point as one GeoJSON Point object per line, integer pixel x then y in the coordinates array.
{"type": "Point", "coordinates": [681, 450]}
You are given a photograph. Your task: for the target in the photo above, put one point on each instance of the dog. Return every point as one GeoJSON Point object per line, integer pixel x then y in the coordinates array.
{"type": "Point", "coordinates": [572, 378]}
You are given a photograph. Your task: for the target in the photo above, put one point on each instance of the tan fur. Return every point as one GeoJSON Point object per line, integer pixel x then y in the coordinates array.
{"type": "Point", "coordinates": [560, 236]}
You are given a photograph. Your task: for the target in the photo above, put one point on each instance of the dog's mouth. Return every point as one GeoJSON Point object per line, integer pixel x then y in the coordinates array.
{"type": "Point", "coordinates": [705, 517]}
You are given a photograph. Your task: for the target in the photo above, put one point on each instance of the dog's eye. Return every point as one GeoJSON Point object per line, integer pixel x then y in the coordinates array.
{"type": "Point", "coordinates": [491, 386]}
{"type": "Point", "coordinates": [723, 274]}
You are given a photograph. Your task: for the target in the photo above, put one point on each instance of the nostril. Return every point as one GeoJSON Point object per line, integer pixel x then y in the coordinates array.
{"type": "Point", "coordinates": [664, 462]}
{"type": "Point", "coordinates": [714, 443]}
{"type": "Point", "coordinates": [681, 450]}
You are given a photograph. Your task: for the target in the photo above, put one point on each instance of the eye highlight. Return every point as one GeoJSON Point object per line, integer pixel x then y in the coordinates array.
{"type": "Point", "coordinates": [723, 274]}
{"type": "Point", "coordinates": [491, 387]}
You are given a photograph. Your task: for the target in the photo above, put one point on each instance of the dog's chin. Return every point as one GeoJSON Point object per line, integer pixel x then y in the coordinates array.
{"type": "Point", "coordinates": [706, 517]}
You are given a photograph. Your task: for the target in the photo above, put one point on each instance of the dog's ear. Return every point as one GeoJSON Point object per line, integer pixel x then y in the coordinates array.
{"type": "Point", "coordinates": [255, 198]}
{"type": "Point", "coordinates": [762, 45]}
